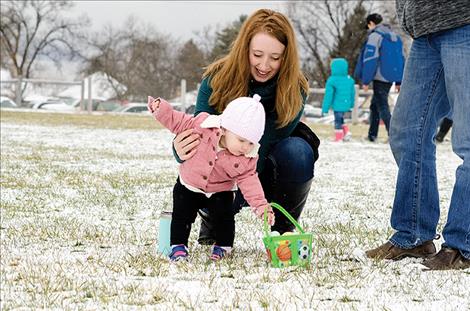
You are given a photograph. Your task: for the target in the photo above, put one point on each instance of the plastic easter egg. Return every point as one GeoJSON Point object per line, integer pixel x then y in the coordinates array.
{"type": "Point", "coordinates": [275, 233]}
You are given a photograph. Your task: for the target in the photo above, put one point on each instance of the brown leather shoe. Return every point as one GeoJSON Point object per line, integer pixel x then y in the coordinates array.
{"type": "Point", "coordinates": [447, 259]}
{"type": "Point", "coordinates": [389, 251]}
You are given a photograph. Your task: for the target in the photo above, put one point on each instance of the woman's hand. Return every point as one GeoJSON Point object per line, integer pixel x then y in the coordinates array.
{"type": "Point", "coordinates": [185, 144]}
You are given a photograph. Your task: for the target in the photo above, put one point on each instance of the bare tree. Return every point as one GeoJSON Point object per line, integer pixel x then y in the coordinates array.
{"type": "Point", "coordinates": [137, 56]}
{"type": "Point", "coordinates": [205, 40]}
{"type": "Point", "coordinates": [322, 27]}
{"type": "Point", "coordinates": [33, 29]}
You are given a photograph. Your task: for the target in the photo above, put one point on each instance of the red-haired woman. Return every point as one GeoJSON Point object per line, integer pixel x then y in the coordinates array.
{"type": "Point", "coordinates": [264, 60]}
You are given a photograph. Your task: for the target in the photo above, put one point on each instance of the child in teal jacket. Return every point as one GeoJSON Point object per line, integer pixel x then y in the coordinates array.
{"type": "Point", "coordinates": [339, 95]}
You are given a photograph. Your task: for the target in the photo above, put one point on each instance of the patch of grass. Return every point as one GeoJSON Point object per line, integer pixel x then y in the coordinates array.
{"type": "Point", "coordinates": [79, 228]}
{"type": "Point", "coordinates": [83, 120]}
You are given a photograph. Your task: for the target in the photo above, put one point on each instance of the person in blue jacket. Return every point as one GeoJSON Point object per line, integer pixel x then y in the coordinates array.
{"type": "Point", "coordinates": [339, 95]}
{"type": "Point", "coordinates": [381, 62]}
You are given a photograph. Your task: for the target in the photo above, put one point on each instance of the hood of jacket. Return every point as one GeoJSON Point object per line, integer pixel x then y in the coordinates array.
{"type": "Point", "coordinates": [339, 67]}
{"type": "Point", "coordinates": [386, 31]}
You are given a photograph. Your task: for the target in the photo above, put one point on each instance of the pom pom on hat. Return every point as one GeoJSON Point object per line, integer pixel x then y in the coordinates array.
{"type": "Point", "coordinates": [245, 116]}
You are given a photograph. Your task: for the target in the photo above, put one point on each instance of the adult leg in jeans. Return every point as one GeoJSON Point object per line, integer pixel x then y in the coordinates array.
{"type": "Point", "coordinates": [379, 108]}
{"type": "Point", "coordinates": [432, 87]}
{"type": "Point", "coordinates": [455, 51]}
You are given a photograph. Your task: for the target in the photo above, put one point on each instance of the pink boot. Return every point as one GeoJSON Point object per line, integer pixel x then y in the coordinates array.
{"type": "Point", "coordinates": [346, 133]}
{"type": "Point", "coordinates": [339, 135]}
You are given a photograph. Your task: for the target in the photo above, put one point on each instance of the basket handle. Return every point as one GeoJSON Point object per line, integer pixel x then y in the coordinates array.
{"type": "Point", "coordinates": [283, 211]}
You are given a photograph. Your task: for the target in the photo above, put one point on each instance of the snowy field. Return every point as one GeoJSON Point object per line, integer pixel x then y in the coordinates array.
{"type": "Point", "coordinates": [79, 221]}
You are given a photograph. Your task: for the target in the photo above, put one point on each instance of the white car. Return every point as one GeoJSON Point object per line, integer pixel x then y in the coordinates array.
{"type": "Point", "coordinates": [52, 104]}
{"type": "Point", "coordinates": [312, 112]}
{"type": "Point", "coordinates": [133, 108]}
{"type": "Point", "coordinates": [6, 102]}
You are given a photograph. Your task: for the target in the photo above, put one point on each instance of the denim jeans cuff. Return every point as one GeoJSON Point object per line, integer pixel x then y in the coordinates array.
{"type": "Point", "coordinates": [394, 241]}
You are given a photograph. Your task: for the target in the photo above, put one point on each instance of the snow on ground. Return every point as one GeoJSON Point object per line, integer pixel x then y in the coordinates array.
{"type": "Point", "coordinates": [79, 228]}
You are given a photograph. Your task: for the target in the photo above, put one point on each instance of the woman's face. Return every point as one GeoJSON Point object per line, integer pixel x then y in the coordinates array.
{"type": "Point", "coordinates": [265, 56]}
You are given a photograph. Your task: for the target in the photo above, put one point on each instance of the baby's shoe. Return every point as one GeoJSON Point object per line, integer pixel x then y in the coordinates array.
{"type": "Point", "coordinates": [219, 252]}
{"type": "Point", "coordinates": [178, 252]}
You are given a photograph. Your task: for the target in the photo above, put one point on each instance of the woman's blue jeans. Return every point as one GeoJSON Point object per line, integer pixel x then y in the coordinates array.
{"type": "Point", "coordinates": [435, 85]}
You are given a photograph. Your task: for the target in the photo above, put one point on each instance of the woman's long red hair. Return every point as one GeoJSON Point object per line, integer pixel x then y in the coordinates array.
{"type": "Point", "coordinates": [230, 75]}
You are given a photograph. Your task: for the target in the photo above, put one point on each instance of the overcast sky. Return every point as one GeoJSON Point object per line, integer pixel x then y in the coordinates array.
{"type": "Point", "coordinates": [177, 18]}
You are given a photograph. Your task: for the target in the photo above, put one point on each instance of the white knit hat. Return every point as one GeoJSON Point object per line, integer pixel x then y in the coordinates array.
{"type": "Point", "coordinates": [245, 117]}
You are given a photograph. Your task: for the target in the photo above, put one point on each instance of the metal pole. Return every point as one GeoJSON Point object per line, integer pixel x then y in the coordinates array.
{"type": "Point", "coordinates": [82, 95]}
{"type": "Point", "coordinates": [90, 102]}
{"type": "Point", "coordinates": [356, 104]}
{"type": "Point", "coordinates": [183, 95]}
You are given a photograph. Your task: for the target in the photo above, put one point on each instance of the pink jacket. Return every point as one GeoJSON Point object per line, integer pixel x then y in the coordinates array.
{"type": "Point", "coordinates": [209, 170]}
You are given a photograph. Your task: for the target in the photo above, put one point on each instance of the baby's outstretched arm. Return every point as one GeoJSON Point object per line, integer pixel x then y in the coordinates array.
{"type": "Point", "coordinates": [153, 104]}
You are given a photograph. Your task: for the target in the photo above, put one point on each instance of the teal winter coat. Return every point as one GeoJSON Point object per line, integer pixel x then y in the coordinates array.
{"type": "Point", "coordinates": [339, 90]}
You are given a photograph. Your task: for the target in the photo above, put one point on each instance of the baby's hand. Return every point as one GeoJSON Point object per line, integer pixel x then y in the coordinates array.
{"type": "Point", "coordinates": [260, 213]}
{"type": "Point", "coordinates": [153, 104]}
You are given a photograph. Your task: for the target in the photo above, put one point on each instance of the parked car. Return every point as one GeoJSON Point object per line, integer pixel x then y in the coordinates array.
{"type": "Point", "coordinates": [97, 104]}
{"type": "Point", "coordinates": [133, 108]}
{"type": "Point", "coordinates": [6, 102]}
{"type": "Point", "coordinates": [51, 104]}
{"type": "Point", "coordinates": [189, 108]}
{"type": "Point", "coordinates": [312, 112]}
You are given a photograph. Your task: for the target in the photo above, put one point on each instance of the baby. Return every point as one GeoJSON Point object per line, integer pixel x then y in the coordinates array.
{"type": "Point", "coordinates": [225, 160]}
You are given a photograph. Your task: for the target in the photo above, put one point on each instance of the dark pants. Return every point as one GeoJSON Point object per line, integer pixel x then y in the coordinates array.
{"type": "Point", "coordinates": [379, 108]}
{"type": "Point", "coordinates": [186, 204]}
{"type": "Point", "coordinates": [444, 128]}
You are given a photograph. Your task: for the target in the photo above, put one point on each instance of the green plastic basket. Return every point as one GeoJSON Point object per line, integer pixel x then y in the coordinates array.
{"type": "Point", "coordinates": [287, 250]}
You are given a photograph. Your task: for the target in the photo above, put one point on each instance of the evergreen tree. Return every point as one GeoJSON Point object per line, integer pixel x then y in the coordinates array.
{"type": "Point", "coordinates": [225, 37]}
{"type": "Point", "coordinates": [190, 64]}
{"type": "Point", "coordinates": [353, 37]}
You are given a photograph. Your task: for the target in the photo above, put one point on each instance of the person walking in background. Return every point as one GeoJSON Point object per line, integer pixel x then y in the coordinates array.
{"type": "Point", "coordinates": [264, 60]}
{"type": "Point", "coordinates": [381, 62]}
{"type": "Point", "coordinates": [339, 95]}
{"type": "Point", "coordinates": [226, 159]}
{"type": "Point", "coordinates": [435, 85]}
{"type": "Point", "coordinates": [444, 128]}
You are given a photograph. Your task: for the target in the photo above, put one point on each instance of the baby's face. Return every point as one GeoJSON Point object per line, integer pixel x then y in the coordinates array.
{"type": "Point", "coordinates": [237, 145]}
